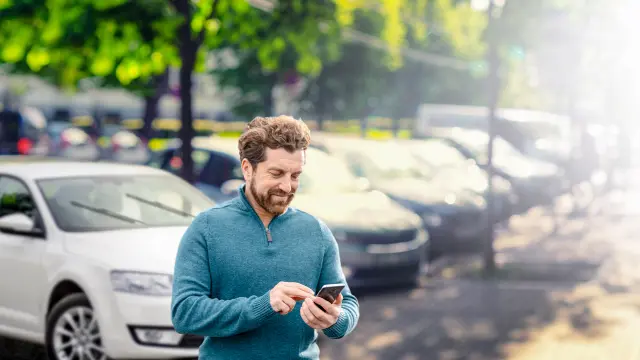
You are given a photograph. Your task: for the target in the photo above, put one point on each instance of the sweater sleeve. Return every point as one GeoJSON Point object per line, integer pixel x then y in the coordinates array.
{"type": "Point", "coordinates": [332, 274]}
{"type": "Point", "coordinates": [193, 311]}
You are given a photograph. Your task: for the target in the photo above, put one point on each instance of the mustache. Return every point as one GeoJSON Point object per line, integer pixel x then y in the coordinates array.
{"type": "Point", "coordinates": [278, 193]}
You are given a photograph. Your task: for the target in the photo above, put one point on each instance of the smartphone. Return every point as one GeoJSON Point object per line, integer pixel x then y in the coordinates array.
{"type": "Point", "coordinates": [330, 292]}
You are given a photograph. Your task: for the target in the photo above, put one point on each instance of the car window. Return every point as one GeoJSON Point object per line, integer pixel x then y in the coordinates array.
{"type": "Point", "coordinates": [15, 198]}
{"type": "Point", "coordinates": [172, 161]}
{"type": "Point", "coordinates": [221, 167]}
{"type": "Point", "coordinates": [159, 159]}
{"type": "Point", "coordinates": [438, 154]}
{"type": "Point", "coordinates": [10, 123]}
{"type": "Point", "coordinates": [316, 178]}
{"type": "Point", "coordinates": [384, 161]}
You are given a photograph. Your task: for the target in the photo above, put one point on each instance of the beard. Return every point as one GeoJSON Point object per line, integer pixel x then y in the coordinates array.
{"type": "Point", "coordinates": [269, 202]}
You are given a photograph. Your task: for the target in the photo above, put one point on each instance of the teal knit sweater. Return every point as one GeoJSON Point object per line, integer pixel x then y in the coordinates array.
{"type": "Point", "coordinates": [225, 267]}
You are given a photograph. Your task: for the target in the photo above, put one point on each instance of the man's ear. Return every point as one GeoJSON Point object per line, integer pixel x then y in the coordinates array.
{"type": "Point", "coordinates": [247, 169]}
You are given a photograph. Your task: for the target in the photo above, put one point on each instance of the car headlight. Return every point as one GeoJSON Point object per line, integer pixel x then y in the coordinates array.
{"type": "Point", "coordinates": [431, 219]}
{"type": "Point", "coordinates": [479, 201]}
{"type": "Point", "coordinates": [142, 283]}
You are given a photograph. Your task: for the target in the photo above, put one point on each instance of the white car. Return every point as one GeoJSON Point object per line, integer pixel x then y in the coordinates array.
{"type": "Point", "coordinates": [87, 252]}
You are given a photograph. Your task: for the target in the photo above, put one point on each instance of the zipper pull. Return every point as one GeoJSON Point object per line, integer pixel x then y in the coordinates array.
{"type": "Point", "coordinates": [269, 239]}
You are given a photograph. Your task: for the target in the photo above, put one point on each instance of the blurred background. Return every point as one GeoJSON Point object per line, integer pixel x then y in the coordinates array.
{"type": "Point", "coordinates": [473, 158]}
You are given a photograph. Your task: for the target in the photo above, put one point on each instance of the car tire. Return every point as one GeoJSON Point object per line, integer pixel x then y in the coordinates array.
{"type": "Point", "coordinates": [72, 326]}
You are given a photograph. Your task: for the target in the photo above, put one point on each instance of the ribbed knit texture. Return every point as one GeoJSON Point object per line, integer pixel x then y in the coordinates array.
{"type": "Point", "coordinates": [224, 270]}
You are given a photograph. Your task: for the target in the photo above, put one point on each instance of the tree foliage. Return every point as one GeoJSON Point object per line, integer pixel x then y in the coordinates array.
{"type": "Point", "coordinates": [360, 85]}
{"type": "Point", "coordinates": [131, 41]}
{"type": "Point", "coordinates": [66, 41]}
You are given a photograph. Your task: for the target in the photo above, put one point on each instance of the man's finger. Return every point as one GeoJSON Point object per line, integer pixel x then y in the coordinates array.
{"type": "Point", "coordinates": [284, 308]}
{"type": "Point", "coordinates": [316, 311]}
{"type": "Point", "coordinates": [307, 314]}
{"type": "Point", "coordinates": [329, 308]}
{"type": "Point", "coordinates": [294, 292]}
{"type": "Point", "coordinates": [289, 302]}
{"type": "Point", "coordinates": [301, 287]}
{"type": "Point", "coordinates": [303, 315]}
{"type": "Point", "coordinates": [339, 300]}
{"type": "Point", "coordinates": [322, 302]}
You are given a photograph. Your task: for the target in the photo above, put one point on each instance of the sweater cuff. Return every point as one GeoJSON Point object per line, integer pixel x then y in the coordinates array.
{"type": "Point", "coordinates": [339, 329]}
{"type": "Point", "coordinates": [261, 308]}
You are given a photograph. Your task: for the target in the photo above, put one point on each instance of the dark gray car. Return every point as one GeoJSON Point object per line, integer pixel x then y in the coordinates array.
{"type": "Point", "coordinates": [455, 220]}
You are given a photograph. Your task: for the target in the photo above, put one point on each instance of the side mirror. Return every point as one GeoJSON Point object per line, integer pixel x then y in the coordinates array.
{"type": "Point", "coordinates": [18, 223]}
{"type": "Point", "coordinates": [230, 187]}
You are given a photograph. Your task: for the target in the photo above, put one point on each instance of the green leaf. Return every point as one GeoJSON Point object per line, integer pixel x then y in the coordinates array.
{"type": "Point", "coordinates": [37, 58]}
{"type": "Point", "coordinates": [13, 52]}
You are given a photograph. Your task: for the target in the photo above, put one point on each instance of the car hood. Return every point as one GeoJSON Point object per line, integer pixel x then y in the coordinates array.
{"type": "Point", "coordinates": [147, 249]}
{"type": "Point", "coordinates": [426, 193]}
{"type": "Point", "coordinates": [367, 211]}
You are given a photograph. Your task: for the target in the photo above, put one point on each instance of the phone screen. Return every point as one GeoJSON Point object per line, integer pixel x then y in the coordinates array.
{"type": "Point", "coordinates": [330, 292]}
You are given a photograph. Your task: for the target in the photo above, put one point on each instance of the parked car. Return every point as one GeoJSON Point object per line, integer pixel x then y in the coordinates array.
{"type": "Point", "coordinates": [126, 147]}
{"type": "Point", "coordinates": [380, 242]}
{"type": "Point", "coordinates": [455, 220]}
{"type": "Point", "coordinates": [71, 142]}
{"type": "Point", "coordinates": [450, 168]}
{"type": "Point", "coordinates": [97, 243]}
{"type": "Point", "coordinates": [537, 182]}
{"type": "Point", "coordinates": [538, 134]}
{"type": "Point", "coordinates": [23, 132]}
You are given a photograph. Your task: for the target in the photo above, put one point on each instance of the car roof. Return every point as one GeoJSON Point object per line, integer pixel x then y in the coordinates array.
{"type": "Point", "coordinates": [36, 167]}
{"type": "Point", "coordinates": [510, 114]}
{"type": "Point", "coordinates": [215, 143]}
{"type": "Point", "coordinates": [345, 143]}
{"type": "Point", "coordinates": [459, 133]}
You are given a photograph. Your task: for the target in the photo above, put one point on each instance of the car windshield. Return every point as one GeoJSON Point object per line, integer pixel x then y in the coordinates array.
{"type": "Point", "coordinates": [437, 153]}
{"type": "Point", "coordinates": [385, 160]}
{"type": "Point", "coordinates": [325, 173]}
{"type": "Point", "coordinates": [100, 203]}
{"type": "Point", "coordinates": [503, 152]}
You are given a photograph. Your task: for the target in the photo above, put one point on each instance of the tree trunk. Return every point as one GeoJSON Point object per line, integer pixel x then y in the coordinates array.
{"type": "Point", "coordinates": [160, 87]}
{"type": "Point", "coordinates": [267, 102]}
{"type": "Point", "coordinates": [150, 114]}
{"type": "Point", "coordinates": [493, 87]}
{"type": "Point", "coordinates": [188, 50]}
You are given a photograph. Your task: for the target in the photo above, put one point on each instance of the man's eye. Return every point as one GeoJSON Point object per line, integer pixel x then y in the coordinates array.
{"type": "Point", "coordinates": [276, 174]}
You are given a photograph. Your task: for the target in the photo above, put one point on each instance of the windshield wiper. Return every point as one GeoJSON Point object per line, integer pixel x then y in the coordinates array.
{"type": "Point", "coordinates": [160, 205]}
{"type": "Point", "coordinates": [107, 213]}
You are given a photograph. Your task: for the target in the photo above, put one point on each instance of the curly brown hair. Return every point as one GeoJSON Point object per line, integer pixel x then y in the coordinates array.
{"type": "Point", "coordinates": [280, 132]}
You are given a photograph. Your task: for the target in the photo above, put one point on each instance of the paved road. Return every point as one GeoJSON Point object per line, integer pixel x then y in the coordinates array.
{"type": "Point", "coordinates": [572, 295]}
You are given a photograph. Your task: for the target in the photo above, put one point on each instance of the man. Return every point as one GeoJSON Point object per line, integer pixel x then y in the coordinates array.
{"type": "Point", "coordinates": [247, 270]}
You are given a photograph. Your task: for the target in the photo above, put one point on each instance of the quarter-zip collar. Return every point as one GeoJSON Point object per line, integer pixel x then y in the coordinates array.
{"type": "Point", "coordinates": [245, 202]}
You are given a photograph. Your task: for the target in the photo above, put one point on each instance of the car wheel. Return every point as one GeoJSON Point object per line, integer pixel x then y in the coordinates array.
{"type": "Point", "coordinates": [73, 332]}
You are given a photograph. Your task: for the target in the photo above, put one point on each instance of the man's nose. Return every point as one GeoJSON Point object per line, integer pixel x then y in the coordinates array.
{"type": "Point", "coordinates": [285, 186]}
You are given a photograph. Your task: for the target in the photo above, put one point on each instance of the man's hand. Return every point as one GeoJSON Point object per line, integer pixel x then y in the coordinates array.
{"type": "Point", "coordinates": [283, 296]}
{"type": "Point", "coordinates": [313, 316]}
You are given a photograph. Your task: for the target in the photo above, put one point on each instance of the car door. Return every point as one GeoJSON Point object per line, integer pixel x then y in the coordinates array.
{"type": "Point", "coordinates": [22, 274]}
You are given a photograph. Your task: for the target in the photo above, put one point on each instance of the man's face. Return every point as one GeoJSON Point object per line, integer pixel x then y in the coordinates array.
{"type": "Point", "coordinates": [273, 182]}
